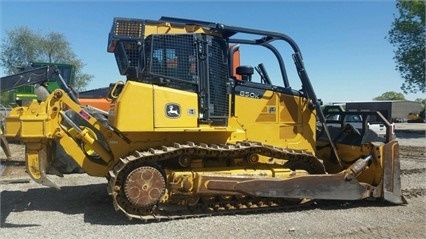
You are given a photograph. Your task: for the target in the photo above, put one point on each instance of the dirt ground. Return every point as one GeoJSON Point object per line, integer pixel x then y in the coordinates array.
{"type": "Point", "coordinates": [83, 209]}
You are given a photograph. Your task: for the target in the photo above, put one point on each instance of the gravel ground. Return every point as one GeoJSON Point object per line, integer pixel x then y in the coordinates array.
{"type": "Point", "coordinates": [82, 209]}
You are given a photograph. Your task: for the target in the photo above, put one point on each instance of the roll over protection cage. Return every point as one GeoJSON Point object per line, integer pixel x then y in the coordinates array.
{"type": "Point", "coordinates": [267, 37]}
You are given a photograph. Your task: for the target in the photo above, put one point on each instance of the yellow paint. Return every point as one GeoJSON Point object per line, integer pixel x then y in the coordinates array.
{"type": "Point", "coordinates": [33, 163]}
{"type": "Point", "coordinates": [133, 111]}
{"type": "Point", "coordinates": [277, 119]}
{"type": "Point", "coordinates": [168, 101]}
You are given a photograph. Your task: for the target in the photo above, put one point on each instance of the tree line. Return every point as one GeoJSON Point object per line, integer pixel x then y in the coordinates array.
{"type": "Point", "coordinates": [407, 34]}
{"type": "Point", "coordinates": [22, 45]}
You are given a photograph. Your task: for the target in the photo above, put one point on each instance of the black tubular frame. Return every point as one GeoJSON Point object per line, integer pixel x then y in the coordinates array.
{"type": "Point", "coordinates": [226, 32]}
{"type": "Point", "coordinates": [266, 38]}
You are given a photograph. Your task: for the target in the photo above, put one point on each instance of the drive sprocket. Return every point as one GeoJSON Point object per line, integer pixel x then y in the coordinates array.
{"type": "Point", "coordinates": [144, 186]}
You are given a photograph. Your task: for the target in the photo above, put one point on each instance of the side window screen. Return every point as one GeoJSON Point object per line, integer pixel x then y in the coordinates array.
{"type": "Point", "coordinates": [173, 56]}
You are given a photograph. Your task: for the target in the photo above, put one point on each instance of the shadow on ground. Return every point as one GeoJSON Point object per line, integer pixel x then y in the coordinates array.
{"type": "Point", "coordinates": [90, 200]}
{"type": "Point", "coordinates": [96, 205]}
{"type": "Point", "coordinates": [410, 135]}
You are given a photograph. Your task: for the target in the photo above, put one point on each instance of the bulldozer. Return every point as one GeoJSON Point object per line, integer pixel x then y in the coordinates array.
{"type": "Point", "coordinates": [190, 133]}
{"type": "Point", "coordinates": [416, 117]}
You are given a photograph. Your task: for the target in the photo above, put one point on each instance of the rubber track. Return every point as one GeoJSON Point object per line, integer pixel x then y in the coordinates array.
{"type": "Point", "coordinates": [164, 211]}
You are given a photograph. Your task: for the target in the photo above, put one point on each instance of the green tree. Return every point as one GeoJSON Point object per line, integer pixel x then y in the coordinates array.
{"type": "Point", "coordinates": [422, 101]}
{"type": "Point", "coordinates": [390, 95]}
{"type": "Point", "coordinates": [408, 36]}
{"type": "Point", "coordinates": [5, 98]}
{"type": "Point", "coordinates": [21, 46]}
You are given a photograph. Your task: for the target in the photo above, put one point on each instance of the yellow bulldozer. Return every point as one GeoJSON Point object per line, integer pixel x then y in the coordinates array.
{"type": "Point", "coordinates": [191, 133]}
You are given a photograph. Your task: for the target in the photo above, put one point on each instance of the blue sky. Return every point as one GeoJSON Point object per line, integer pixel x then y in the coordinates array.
{"type": "Point", "coordinates": [343, 42]}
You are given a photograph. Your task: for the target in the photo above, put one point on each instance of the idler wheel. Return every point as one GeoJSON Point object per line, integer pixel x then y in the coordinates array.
{"type": "Point", "coordinates": [144, 186]}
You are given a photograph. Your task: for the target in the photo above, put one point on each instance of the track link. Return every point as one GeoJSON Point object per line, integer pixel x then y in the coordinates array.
{"type": "Point", "coordinates": [201, 207]}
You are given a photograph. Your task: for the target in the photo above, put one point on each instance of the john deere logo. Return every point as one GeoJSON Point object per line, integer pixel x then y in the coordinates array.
{"type": "Point", "coordinates": [172, 110]}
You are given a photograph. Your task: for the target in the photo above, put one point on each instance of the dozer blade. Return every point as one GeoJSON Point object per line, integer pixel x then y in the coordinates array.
{"type": "Point", "coordinates": [329, 187]}
{"type": "Point", "coordinates": [391, 174]}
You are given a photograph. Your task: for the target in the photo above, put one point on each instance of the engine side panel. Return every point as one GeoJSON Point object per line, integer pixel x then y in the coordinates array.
{"type": "Point", "coordinates": [133, 112]}
{"type": "Point", "coordinates": [276, 118]}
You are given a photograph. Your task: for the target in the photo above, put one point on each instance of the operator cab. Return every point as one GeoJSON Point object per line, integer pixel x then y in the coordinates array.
{"type": "Point", "coordinates": [200, 57]}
